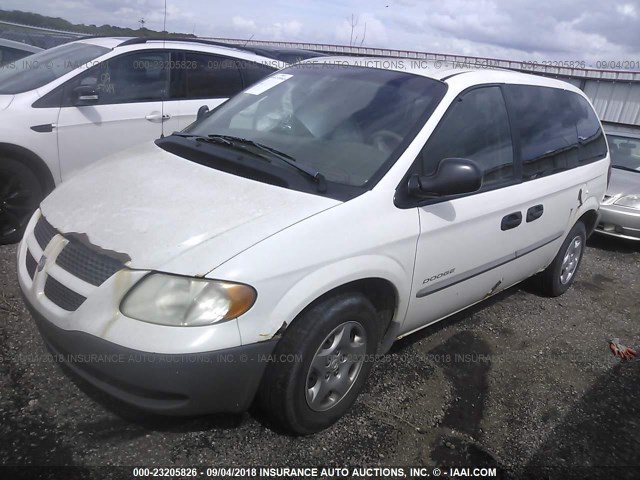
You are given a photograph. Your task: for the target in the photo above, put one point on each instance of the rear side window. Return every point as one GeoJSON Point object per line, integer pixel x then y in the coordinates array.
{"type": "Point", "coordinates": [8, 55]}
{"type": "Point", "coordinates": [210, 76]}
{"type": "Point", "coordinates": [476, 127]}
{"type": "Point", "coordinates": [253, 72]}
{"type": "Point", "coordinates": [558, 129]}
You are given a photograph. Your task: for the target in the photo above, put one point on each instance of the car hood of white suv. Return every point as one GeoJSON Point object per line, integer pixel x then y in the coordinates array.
{"type": "Point", "coordinates": [169, 214]}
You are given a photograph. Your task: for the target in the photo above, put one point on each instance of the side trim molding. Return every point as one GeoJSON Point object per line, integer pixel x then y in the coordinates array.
{"type": "Point", "coordinates": [449, 282]}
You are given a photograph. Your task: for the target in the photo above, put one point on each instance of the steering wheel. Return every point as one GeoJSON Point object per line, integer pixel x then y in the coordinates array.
{"type": "Point", "coordinates": [386, 140]}
{"type": "Point", "coordinates": [282, 123]}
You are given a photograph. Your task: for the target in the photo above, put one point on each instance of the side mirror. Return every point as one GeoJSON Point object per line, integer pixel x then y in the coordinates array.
{"type": "Point", "coordinates": [454, 176]}
{"type": "Point", "coordinates": [202, 112]}
{"type": "Point", "coordinates": [85, 95]}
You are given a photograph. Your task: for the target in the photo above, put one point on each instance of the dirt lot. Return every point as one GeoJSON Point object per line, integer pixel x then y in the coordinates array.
{"type": "Point", "coordinates": [518, 381]}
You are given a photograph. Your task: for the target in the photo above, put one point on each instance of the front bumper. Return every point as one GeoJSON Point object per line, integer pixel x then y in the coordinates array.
{"type": "Point", "coordinates": [173, 384]}
{"type": "Point", "coordinates": [619, 222]}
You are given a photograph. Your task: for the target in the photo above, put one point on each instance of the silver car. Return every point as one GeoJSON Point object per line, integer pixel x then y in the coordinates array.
{"type": "Point", "coordinates": [620, 210]}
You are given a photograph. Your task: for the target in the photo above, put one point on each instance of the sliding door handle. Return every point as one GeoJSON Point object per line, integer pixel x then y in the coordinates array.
{"type": "Point", "coordinates": [534, 213]}
{"type": "Point", "coordinates": [511, 221]}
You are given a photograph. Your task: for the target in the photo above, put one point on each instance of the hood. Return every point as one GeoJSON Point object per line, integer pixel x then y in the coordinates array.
{"type": "Point", "coordinates": [167, 213]}
{"type": "Point", "coordinates": [5, 101]}
{"type": "Point", "coordinates": [624, 182]}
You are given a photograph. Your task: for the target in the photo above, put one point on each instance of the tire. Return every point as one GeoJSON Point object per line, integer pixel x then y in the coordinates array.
{"type": "Point", "coordinates": [297, 396]}
{"type": "Point", "coordinates": [20, 195]}
{"type": "Point", "coordinates": [560, 275]}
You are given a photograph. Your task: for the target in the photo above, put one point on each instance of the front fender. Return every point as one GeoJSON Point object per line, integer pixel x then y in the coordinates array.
{"type": "Point", "coordinates": [273, 313]}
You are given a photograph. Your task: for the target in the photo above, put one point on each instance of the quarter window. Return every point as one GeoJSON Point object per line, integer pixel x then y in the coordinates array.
{"type": "Point", "coordinates": [592, 145]}
{"type": "Point", "coordinates": [477, 128]}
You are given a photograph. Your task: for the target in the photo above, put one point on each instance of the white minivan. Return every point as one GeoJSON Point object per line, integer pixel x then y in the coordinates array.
{"type": "Point", "coordinates": [67, 107]}
{"type": "Point", "coordinates": [271, 250]}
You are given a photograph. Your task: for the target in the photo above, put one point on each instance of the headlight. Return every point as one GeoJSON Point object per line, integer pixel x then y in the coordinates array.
{"type": "Point", "coordinates": [631, 201]}
{"type": "Point", "coordinates": [186, 302]}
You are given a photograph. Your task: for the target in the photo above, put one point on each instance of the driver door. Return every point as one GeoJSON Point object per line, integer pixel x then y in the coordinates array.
{"type": "Point", "coordinates": [465, 243]}
{"type": "Point", "coordinates": [129, 109]}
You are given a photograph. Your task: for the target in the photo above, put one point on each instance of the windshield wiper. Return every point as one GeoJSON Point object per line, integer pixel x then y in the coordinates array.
{"type": "Point", "coordinates": [231, 141]}
{"type": "Point", "coordinates": [314, 175]}
{"type": "Point", "coordinates": [628, 169]}
{"type": "Point", "coordinates": [201, 138]}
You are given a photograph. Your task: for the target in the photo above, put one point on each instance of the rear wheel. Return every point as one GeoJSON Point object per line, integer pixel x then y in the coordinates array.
{"type": "Point", "coordinates": [560, 275]}
{"type": "Point", "coordinates": [321, 364]}
{"type": "Point", "coordinates": [20, 194]}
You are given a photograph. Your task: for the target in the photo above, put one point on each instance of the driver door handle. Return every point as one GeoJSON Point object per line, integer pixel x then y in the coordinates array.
{"type": "Point", "coordinates": [157, 117]}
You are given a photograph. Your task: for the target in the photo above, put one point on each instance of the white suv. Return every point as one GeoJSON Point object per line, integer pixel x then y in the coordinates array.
{"type": "Point", "coordinates": [66, 107]}
{"type": "Point", "coordinates": [276, 246]}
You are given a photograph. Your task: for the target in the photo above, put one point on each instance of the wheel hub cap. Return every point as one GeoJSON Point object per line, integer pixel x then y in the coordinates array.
{"type": "Point", "coordinates": [570, 260]}
{"type": "Point", "coordinates": [335, 366]}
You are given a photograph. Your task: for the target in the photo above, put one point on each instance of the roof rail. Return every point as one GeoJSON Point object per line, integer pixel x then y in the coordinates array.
{"type": "Point", "coordinates": [268, 52]}
{"type": "Point", "coordinates": [139, 40]}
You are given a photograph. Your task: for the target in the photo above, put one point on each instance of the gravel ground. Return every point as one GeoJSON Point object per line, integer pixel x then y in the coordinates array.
{"type": "Point", "coordinates": [519, 380]}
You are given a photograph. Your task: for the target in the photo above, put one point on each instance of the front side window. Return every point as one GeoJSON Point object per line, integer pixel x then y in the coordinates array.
{"type": "Point", "coordinates": [129, 78]}
{"type": "Point", "coordinates": [344, 122]}
{"type": "Point", "coordinates": [44, 67]}
{"type": "Point", "coordinates": [477, 128]}
{"type": "Point", "coordinates": [625, 152]}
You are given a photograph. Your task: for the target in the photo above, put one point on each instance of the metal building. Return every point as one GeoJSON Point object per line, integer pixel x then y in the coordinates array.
{"type": "Point", "coordinates": [614, 93]}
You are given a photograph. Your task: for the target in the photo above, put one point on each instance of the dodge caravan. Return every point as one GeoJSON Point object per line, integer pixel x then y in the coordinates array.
{"type": "Point", "coordinates": [268, 252]}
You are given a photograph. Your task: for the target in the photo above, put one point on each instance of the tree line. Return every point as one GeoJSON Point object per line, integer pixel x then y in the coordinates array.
{"type": "Point", "coordinates": [57, 23]}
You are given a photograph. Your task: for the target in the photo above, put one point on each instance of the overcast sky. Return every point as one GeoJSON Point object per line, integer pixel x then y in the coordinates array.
{"type": "Point", "coordinates": [514, 29]}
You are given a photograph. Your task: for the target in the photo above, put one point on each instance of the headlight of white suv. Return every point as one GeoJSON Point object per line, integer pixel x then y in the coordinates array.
{"type": "Point", "coordinates": [186, 302]}
{"type": "Point", "coordinates": [631, 201]}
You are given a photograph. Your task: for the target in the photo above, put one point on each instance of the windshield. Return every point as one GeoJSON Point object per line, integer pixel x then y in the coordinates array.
{"type": "Point", "coordinates": [625, 152]}
{"type": "Point", "coordinates": [344, 122]}
{"type": "Point", "coordinates": [43, 67]}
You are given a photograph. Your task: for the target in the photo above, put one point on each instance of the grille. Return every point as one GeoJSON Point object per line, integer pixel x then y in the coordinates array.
{"type": "Point", "coordinates": [86, 264]}
{"type": "Point", "coordinates": [62, 296]}
{"type": "Point", "coordinates": [44, 232]}
{"type": "Point", "coordinates": [31, 264]}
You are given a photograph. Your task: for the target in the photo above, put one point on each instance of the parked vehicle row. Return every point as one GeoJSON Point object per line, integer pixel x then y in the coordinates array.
{"type": "Point", "coordinates": [65, 108]}
{"type": "Point", "coordinates": [300, 228]}
{"type": "Point", "coordinates": [620, 209]}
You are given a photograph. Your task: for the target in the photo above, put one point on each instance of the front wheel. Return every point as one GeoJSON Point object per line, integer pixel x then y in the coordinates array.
{"type": "Point", "coordinates": [560, 275]}
{"type": "Point", "coordinates": [20, 194]}
{"type": "Point", "coordinates": [330, 348]}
